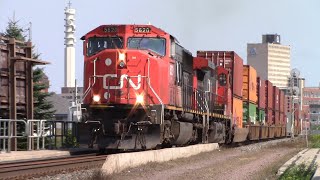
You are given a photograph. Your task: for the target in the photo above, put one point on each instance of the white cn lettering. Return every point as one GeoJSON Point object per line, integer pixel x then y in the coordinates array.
{"type": "Point", "coordinates": [123, 76]}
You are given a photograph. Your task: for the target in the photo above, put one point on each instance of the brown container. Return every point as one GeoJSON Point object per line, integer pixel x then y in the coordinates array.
{"type": "Point", "coordinates": [237, 112]}
{"type": "Point", "coordinates": [231, 61]}
{"type": "Point", "coordinates": [282, 101]}
{"type": "Point", "coordinates": [16, 97]}
{"type": "Point", "coordinates": [249, 84]}
{"type": "Point", "coordinates": [269, 94]}
{"type": "Point", "coordinates": [282, 119]}
{"type": "Point", "coordinates": [276, 98]}
{"type": "Point", "coordinates": [276, 118]}
{"type": "Point", "coordinates": [261, 93]}
{"type": "Point", "coordinates": [269, 117]}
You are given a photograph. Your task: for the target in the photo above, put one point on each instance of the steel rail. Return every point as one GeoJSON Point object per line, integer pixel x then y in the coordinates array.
{"type": "Point", "coordinates": [38, 168]}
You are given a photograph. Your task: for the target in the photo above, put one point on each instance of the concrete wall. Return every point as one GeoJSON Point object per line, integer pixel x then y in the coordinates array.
{"type": "Point", "coordinates": [118, 162]}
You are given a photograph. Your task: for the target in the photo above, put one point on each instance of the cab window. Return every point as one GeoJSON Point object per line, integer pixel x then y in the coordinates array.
{"type": "Point", "coordinates": [97, 44]}
{"type": "Point", "coordinates": [156, 45]}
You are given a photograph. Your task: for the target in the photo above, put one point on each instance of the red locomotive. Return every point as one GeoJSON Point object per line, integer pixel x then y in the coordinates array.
{"type": "Point", "coordinates": [144, 90]}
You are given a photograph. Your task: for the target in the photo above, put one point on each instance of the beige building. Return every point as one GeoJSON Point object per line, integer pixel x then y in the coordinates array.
{"type": "Point", "coordinates": [270, 59]}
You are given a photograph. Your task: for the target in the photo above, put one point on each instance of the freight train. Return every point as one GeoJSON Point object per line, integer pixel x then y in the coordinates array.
{"type": "Point", "coordinates": [143, 90]}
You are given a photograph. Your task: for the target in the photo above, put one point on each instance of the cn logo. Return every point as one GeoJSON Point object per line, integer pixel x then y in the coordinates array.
{"type": "Point", "coordinates": [123, 76]}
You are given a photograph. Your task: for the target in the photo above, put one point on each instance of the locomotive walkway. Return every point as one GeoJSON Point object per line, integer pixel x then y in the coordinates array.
{"type": "Point", "coordinates": [309, 157]}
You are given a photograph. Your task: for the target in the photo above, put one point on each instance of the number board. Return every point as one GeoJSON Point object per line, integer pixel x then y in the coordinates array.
{"type": "Point", "coordinates": [142, 30]}
{"type": "Point", "coordinates": [111, 29]}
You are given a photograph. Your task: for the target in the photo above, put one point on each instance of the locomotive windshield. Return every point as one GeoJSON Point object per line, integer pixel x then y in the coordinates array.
{"type": "Point", "coordinates": [157, 45]}
{"type": "Point", "coordinates": [97, 44]}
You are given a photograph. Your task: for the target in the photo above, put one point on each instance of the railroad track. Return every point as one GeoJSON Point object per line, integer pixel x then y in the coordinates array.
{"type": "Point", "coordinates": [38, 168]}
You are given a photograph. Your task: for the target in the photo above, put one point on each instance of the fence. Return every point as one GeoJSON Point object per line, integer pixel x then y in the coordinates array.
{"type": "Point", "coordinates": [44, 133]}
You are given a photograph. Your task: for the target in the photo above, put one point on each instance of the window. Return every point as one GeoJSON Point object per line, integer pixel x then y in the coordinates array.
{"type": "Point", "coordinates": [157, 45]}
{"type": "Point", "coordinates": [97, 44]}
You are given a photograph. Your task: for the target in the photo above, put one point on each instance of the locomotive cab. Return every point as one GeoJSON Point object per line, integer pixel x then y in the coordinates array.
{"type": "Point", "coordinates": [125, 68]}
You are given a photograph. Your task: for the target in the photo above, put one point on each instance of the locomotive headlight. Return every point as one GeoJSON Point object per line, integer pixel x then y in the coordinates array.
{"type": "Point", "coordinates": [122, 56]}
{"type": "Point", "coordinates": [96, 98]}
{"type": "Point", "coordinates": [140, 99]}
{"type": "Point", "coordinates": [122, 64]}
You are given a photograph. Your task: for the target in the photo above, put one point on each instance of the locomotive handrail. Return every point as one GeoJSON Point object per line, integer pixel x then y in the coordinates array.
{"type": "Point", "coordinates": [94, 80]}
{"type": "Point", "coordinates": [159, 99]}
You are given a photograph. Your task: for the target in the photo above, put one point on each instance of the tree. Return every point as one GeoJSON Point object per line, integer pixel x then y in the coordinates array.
{"type": "Point", "coordinates": [14, 31]}
{"type": "Point", "coordinates": [42, 107]}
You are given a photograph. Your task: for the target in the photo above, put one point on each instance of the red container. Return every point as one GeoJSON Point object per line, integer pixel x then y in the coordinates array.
{"type": "Point", "coordinates": [282, 102]}
{"type": "Point", "coordinates": [269, 94]}
{"type": "Point", "coordinates": [276, 117]}
{"type": "Point", "coordinates": [276, 98]}
{"type": "Point", "coordinates": [223, 85]}
{"type": "Point", "coordinates": [261, 93]}
{"type": "Point", "coordinates": [232, 62]}
{"type": "Point", "coordinates": [269, 117]}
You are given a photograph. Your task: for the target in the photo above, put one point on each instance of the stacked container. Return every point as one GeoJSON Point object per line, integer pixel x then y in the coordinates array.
{"type": "Point", "coordinates": [269, 102]}
{"type": "Point", "coordinates": [250, 99]}
{"type": "Point", "coordinates": [234, 64]}
{"type": "Point", "coordinates": [261, 100]}
{"type": "Point", "coordinates": [276, 106]}
{"type": "Point", "coordinates": [282, 104]}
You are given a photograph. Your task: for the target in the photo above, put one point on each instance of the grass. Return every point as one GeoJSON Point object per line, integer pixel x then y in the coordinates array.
{"type": "Point", "coordinates": [315, 127]}
{"type": "Point", "coordinates": [315, 141]}
{"type": "Point", "coordinates": [299, 172]}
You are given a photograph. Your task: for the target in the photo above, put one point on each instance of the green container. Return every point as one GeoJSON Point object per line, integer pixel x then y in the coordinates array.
{"type": "Point", "coordinates": [261, 115]}
{"type": "Point", "coordinates": [249, 112]}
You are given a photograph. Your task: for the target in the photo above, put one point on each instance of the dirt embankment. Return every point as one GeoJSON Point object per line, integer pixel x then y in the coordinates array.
{"type": "Point", "coordinates": [258, 161]}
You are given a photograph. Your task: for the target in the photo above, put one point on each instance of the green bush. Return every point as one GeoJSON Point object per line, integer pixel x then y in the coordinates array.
{"type": "Point", "coordinates": [70, 141]}
{"type": "Point", "coordinates": [299, 172]}
{"type": "Point", "coordinates": [315, 141]}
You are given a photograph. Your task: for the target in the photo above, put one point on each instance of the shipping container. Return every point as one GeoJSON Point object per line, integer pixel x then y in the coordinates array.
{"type": "Point", "coordinates": [261, 115]}
{"type": "Point", "coordinates": [249, 113]}
{"type": "Point", "coordinates": [276, 118]}
{"type": "Point", "coordinates": [232, 62]}
{"type": "Point", "coordinates": [261, 93]}
{"type": "Point", "coordinates": [276, 98]}
{"type": "Point", "coordinates": [249, 84]}
{"type": "Point", "coordinates": [282, 118]}
{"type": "Point", "coordinates": [282, 101]}
{"type": "Point", "coordinates": [237, 112]}
{"type": "Point", "coordinates": [269, 94]}
{"type": "Point", "coordinates": [269, 117]}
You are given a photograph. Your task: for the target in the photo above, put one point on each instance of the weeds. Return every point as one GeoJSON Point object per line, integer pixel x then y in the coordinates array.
{"type": "Point", "coordinates": [315, 141]}
{"type": "Point", "coordinates": [299, 172]}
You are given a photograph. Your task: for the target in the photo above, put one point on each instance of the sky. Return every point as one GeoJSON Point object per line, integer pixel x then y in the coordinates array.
{"type": "Point", "coordinates": [198, 25]}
